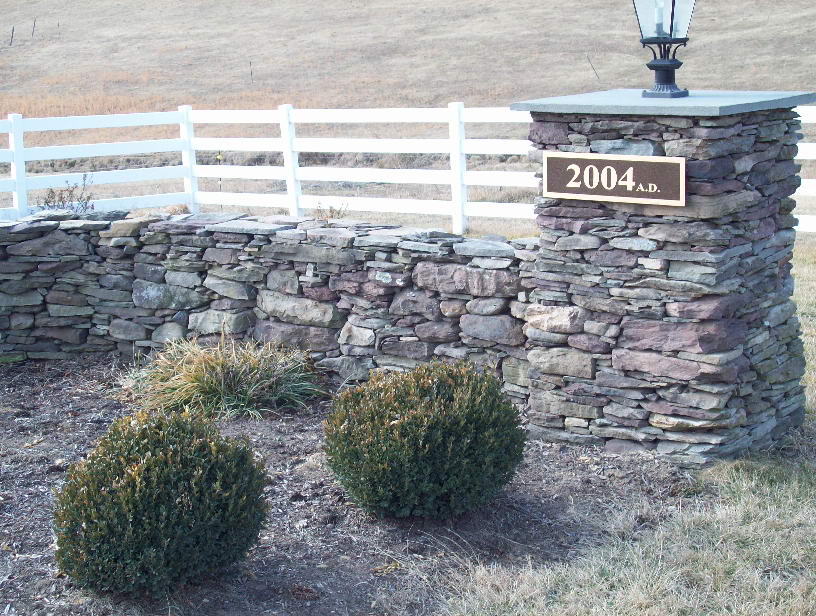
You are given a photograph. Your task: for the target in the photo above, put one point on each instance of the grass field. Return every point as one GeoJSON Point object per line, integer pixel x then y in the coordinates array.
{"type": "Point", "coordinates": [102, 57]}
{"type": "Point", "coordinates": [94, 56]}
{"type": "Point", "coordinates": [750, 550]}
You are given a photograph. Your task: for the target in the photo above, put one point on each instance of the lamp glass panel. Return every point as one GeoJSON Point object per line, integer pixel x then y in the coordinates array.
{"type": "Point", "coordinates": [683, 10]}
{"type": "Point", "coordinates": [655, 17]}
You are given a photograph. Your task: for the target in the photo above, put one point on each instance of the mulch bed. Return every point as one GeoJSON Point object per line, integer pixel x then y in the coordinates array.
{"type": "Point", "coordinates": [319, 554]}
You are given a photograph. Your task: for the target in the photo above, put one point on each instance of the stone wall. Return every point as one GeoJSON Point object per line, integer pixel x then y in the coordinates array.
{"type": "Point", "coordinates": [358, 296]}
{"type": "Point", "coordinates": [629, 326]}
{"type": "Point", "coordinates": [671, 327]}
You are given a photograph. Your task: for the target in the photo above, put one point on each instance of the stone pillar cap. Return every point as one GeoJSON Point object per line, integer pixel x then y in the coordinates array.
{"type": "Point", "coordinates": [707, 103]}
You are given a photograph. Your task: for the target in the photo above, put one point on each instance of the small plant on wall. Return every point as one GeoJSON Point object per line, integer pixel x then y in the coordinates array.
{"type": "Point", "coordinates": [74, 197]}
{"type": "Point", "coordinates": [434, 442]}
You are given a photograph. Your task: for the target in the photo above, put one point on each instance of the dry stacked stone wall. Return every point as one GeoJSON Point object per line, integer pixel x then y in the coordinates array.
{"type": "Point", "coordinates": [633, 327]}
{"type": "Point", "coordinates": [671, 328]}
{"type": "Point", "coordinates": [358, 296]}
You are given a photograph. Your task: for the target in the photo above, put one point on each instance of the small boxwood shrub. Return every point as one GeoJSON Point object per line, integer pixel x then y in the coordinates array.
{"type": "Point", "coordinates": [434, 442]}
{"type": "Point", "coordinates": [161, 500]}
{"type": "Point", "coordinates": [228, 378]}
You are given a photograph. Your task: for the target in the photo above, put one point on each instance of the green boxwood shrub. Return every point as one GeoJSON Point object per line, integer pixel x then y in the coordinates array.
{"type": "Point", "coordinates": [161, 500]}
{"type": "Point", "coordinates": [434, 442]}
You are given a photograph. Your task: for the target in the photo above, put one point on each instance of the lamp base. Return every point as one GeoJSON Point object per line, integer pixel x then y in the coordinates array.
{"type": "Point", "coordinates": [665, 86]}
{"type": "Point", "coordinates": [663, 91]}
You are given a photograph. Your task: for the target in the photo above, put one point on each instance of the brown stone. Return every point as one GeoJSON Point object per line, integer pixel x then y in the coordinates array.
{"type": "Point", "coordinates": [414, 301]}
{"type": "Point", "coordinates": [549, 133]}
{"type": "Point", "coordinates": [503, 329]}
{"type": "Point", "coordinates": [222, 256]}
{"type": "Point", "coordinates": [452, 278]}
{"type": "Point", "coordinates": [437, 331]}
{"type": "Point", "coordinates": [701, 206]}
{"type": "Point", "coordinates": [714, 307]}
{"type": "Point", "coordinates": [613, 258]}
{"type": "Point", "coordinates": [562, 361]}
{"type": "Point", "coordinates": [682, 424]}
{"type": "Point", "coordinates": [411, 349]}
{"type": "Point", "coordinates": [705, 149]}
{"type": "Point", "coordinates": [296, 336]}
{"type": "Point", "coordinates": [597, 304]}
{"type": "Point", "coordinates": [655, 364]}
{"type": "Point", "coordinates": [487, 306]}
{"type": "Point", "coordinates": [711, 169]}
{"type": "Point", "coordinates": [714, 188]}
{"type": "Point", "coordinates": [545, 402]}
{"type": "Point", "coordinates": [375, 290]}
{"type": "Point", "coordinates": [54, 244]}
{"type": "Point", "coordinates": [320, 294]}
{"type": "Point", "coordinates": [300, 310]}
{"type": "Point", "coordinates": [66, 298]}
{"type": "Point", "coordinates": [589, 342]}
{"type": "Point", "coordinates": [453, 307]}
{"type": "Point", "coordinates": [662, 407]}
{"type": "Point", "coordinates": [556, 319]}
{"type": "Point", "coordinates": [687, 233]}
{"type": "Point", "coordinates": [616, 445]}
{"type": "Point", "coordinates": [703, 337]}
{"type": "Point", "coordinates": [349, 282]}
{"type": "Point", "coordinates": [71, 335]}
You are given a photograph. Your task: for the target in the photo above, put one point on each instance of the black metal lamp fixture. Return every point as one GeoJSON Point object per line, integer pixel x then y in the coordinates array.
{"type": "Point", "coordinates": [664, 26]}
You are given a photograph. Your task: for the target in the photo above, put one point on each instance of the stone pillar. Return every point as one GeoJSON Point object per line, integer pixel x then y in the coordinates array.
{"type": "Point", "coordinates": [670, 328]}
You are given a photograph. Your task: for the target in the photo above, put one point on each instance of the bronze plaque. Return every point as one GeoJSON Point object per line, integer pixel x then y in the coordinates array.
{"type": "Point", "coordinates": [653, 180]}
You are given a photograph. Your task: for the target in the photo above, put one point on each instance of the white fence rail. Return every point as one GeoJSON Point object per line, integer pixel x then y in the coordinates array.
{"type": "Point", "coordinates": [457, 147]}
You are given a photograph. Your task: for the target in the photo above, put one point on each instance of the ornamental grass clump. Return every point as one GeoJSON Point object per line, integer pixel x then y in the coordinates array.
{"type": "Point", "coordinates": [228, 379]}
{"type": "Point", "coordinates": [434, 442]}
{"type": "Point", "coordinates": [163, 499]}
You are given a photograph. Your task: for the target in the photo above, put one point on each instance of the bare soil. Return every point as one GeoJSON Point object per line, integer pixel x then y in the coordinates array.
{"type": "Point", "coordinates": [319, 554]}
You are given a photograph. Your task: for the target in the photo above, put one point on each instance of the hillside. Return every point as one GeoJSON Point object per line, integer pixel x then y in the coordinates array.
{"type": "Point", "coordinates": [98, 56]}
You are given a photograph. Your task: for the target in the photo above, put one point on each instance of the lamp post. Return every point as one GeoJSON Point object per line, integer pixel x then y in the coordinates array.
{"type": "Point", "coordinates": [664, 26]}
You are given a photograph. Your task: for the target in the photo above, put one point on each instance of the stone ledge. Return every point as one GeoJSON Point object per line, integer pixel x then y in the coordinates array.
{"type": "Point", "coordinates": [702, 103]}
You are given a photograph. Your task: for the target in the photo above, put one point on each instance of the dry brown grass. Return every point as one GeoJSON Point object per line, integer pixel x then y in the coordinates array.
{"type": "Point", "coordinates": [374, 53]}
{"type": "Point", "coordinates": [751, 551]}
{"type": "Point", "coordinates": [98, 57]}
{"type": "Point", "coordinates": [227, 379]}
{"type": "Point", "coordinates": [805, 275]}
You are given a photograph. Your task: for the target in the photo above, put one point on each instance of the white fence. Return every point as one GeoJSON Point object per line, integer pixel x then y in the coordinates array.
{"type": "Point", "coordinates": [457, 147]}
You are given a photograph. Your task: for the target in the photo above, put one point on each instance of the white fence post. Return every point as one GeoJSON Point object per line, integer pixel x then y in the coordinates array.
{"type": "Point", "coordinates": [188, 158]}
{"type": "Point", "coordinates": [18, 165]}
{"type": "Point", "coordinates": [290, 159]}
{"type": "Point", "coordinates": [458, 164]}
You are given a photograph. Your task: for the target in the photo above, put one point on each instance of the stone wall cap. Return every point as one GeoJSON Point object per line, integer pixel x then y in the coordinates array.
{"type": "Point", "coordinates": [191, 223]}
{"type": "Point", "coordinates": [483, 248]}
{"type": "Point", "coordinates": [248, 226]}
{"type": "Point", "coordinates": [703, 103]}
